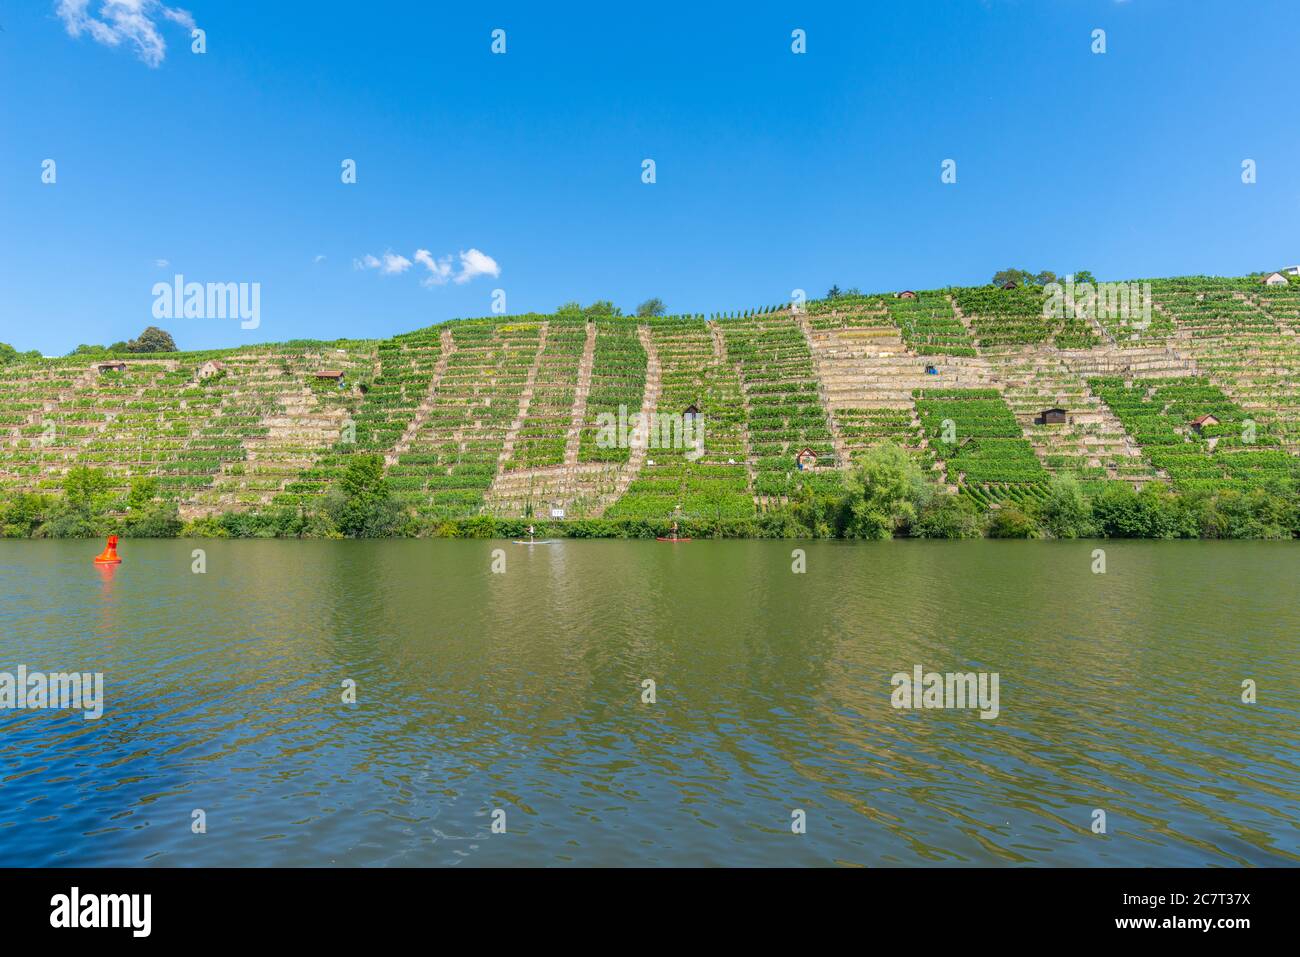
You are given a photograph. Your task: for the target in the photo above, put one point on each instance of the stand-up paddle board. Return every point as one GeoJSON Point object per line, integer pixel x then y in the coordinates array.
{"type": "Point", "coordinates": [672, 539]}
{"type": "Point", "coordinates": [541, 541]}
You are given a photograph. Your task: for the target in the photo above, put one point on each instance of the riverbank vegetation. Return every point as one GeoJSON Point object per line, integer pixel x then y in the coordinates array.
{"type": "Point", "coordinates": [885, 496]}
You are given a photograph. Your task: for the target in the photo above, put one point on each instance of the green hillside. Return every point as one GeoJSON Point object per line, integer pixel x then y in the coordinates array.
{"type": "Point", "coordinates": [503, 417]}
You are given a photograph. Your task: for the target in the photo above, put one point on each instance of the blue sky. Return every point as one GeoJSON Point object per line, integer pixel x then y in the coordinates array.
{"type": "Point", "coordinates": [775, 171]}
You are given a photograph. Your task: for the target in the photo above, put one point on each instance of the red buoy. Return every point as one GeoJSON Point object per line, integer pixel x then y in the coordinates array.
{"type": "Point", "coordinates": [109, 555]}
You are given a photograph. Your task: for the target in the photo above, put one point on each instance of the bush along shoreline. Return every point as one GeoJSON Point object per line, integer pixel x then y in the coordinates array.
{"type": "Point", "coordinates": [885, 496]}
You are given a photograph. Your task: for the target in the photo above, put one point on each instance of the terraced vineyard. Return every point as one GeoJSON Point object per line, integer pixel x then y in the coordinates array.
{"type": "Point", "coordinates": [1282, 303]}
{"type": "Point", "coordinates": [1209, 310]}
{"type": "Point", "coordinates": [1014, 317]}
{"type": "Point", "coordinates": [707, 478]}
{"type": "Point", "coordinates": [451, 460]}
{"type": "Point", "coordinates": [1091, 444]}
{"type": "Point", "coordinates": [1231, 451]}
{"type": "Point", "coordinates": [785, 412]}
{"type": "Point", "coordinates": [977, 439]}
{"type": "Point", "coordinates": [930, 325]}
{"type": "Point", "coordinates": [504, 415]}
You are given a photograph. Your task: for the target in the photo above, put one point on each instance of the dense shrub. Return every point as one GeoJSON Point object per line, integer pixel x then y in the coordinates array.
{"type": "Point", "coordinates": [362, 505]}
{"type": "Point", "coordinates": [1010, 522]}
{"type": "Point", "coordinates": [882, 494]}
{"type": "Point", "coordinates": [948, 516]}
{"type": "Point", "coordinates": [1065, 512]}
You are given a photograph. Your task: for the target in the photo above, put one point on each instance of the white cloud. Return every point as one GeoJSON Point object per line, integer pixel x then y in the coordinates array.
{"type": "Point", "coordinates": [320, 258]}
{"type": "Point", "coordinates": [162, 263]}
{"type": "Point", "coordinates": [118, 21]}
{"type": "Point", "coordinates": [390, 265]}
{"type": "Point", "coordinates": [439, 270]}
{"type": "Point", "coordinates": [475, 263]}
{"type": "Point", "coordinates": [394, 264]}
{"type": "Point", "coordinates": [177, 15]}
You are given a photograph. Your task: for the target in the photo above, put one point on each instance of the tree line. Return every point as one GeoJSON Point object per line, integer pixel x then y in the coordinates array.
{"type": "Point", "coordinates": [886, 495]}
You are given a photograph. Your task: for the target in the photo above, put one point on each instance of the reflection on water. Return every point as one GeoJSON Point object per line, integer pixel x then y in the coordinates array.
{"type": "Point", "coordinates": [522, 691]}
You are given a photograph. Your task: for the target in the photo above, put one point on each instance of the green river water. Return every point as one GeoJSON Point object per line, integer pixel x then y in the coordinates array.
{"type": "Point", "coordinates": [522, 690]}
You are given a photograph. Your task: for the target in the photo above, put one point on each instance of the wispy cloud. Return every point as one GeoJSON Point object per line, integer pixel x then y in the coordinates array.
{"type": "Point", "coordinates": [390, 264]}
{"type": "Point", "coordinates": [438, 270]}
{"type": "Point", "coordinates": [162, 263]}
{"type": "Point", "coordinates": [114, 22]}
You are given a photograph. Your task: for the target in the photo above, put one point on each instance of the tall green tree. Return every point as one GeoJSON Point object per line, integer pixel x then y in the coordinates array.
{"type": "Point", "coordinates": [651, 307]}
{"type": "Point", "coordinates": [84, 488]}
{"type": "Point", "coordinates": [152, 339]}
{"type": "Point", "coordinates": [602, 309]}
{"type": "Point", "coordinates": [1020, 277]}
{"type": "Point", "coordinates": [1065, 513]}
{"type": "Point", "coordinates": [363, 505]}
{"type": "Point", "coordinates": [882, 494]}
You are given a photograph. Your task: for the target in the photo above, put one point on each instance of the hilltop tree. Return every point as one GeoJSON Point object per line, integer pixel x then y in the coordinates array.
{"type": "Point", "coordinates": [152, 339]}
{"type": "Point", "coordinates": [1023, 277]}
{"type": "Point", "coordinates": [600, 309]}
{"type": "Point", "coordinates": [1085, 275]}
{"type": "Point", "coordinates": [9, 354]}
{"type": "Point", "coordinates": [1019, 276]}
{"type": "Point", "coordinates": [651, 307]}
